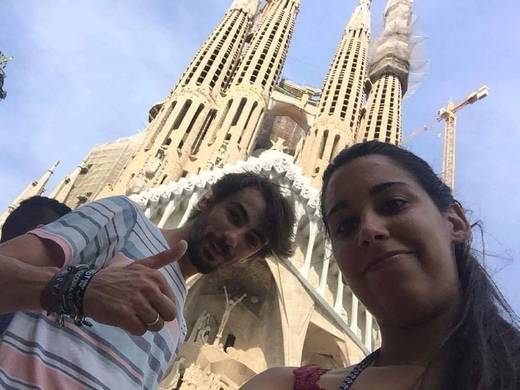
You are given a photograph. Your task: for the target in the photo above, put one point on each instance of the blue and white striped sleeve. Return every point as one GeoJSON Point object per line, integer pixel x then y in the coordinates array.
{"type": "Point", "coordinates": [93, 233]}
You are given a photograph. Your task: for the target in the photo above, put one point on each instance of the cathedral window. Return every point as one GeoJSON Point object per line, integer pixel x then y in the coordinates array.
{"type": "Point", "coordinates": [238, 113]}
{"type": "Point", "coordinates": [181, 115]}
{"type": "Point", "coordinates": [230, 341]}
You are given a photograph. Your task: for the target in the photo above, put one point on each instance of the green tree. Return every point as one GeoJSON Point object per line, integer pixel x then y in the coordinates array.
{"type": "Point", "coordinates": [3, 63]}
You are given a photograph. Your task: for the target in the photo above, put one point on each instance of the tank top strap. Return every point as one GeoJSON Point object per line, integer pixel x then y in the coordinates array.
{"type": "Point", "coordinates": [357, 370]}
{"type": "Point", "coordinates": [307, 377]}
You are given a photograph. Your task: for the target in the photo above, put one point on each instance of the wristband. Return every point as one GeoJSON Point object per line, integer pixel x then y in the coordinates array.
{"type": "Point", "coordinates": [64, 293]}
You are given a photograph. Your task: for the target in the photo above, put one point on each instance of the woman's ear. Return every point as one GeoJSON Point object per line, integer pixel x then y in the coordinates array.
{"type": "Point", "coordinates": [460, 227]}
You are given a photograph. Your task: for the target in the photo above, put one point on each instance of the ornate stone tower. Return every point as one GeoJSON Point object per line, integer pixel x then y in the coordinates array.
{"type": "Point", "coordinates": [180, 122]}
{"type": "Point", "coordinates": [341, 99]}
{"type": "Point", "coordinates": [228, 113]}
{"type": "Point", "coordinates": [389, 76]}
{"type": "Point", "coordinates": [36, 188]}
{"type": "Point", "coordinates": [100, 170]}
{"type": "Point", "coordinates": [232, 135]}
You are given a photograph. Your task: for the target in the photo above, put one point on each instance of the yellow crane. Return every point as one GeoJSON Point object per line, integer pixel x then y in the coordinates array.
{"type": "Point", "coordinates": [447, 114]}
{"type": "Point", "coordinates": [406, 140]}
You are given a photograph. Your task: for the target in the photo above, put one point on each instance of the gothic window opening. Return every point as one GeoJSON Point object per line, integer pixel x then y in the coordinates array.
{"type": "Point", "coordinates": [225, 113]}
{"type": "Point", "coordinates": [192, 123]}
{"type": "Point", "coordinates": [160, 154]}
{"type": "Point", "coordinates": [181, 115]}
{"type": "Point", "coordinates": [253, 137]}
{"type": "Point", "coordinates": [238, 113]}
{"type": "Point", "coordinates": [165, 117]}
{"type": "Point", "coordinates": [323, 143]}
{"type": "Point", "coordinates": [230, 341]}
{"type": "Point", "coordinates": [335, 146]}
{"type": "Point", "coordinates": [253, 109]}
{"type": "Point", "coordinates": [204, 130]}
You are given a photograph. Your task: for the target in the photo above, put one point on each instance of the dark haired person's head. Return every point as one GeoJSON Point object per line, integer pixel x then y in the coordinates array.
{"type": "Point", "coordinates": [31, 213]}
{"type": "Point", "coordinates": [244, 215]}
{"type": "Point", "coordinates": [402, 243]}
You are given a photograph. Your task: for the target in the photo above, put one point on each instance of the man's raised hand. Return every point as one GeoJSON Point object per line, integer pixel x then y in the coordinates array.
{"type": "Point", "coordinates": [166, 257]}
{"type": "Point", "coordinates": [135, 295]}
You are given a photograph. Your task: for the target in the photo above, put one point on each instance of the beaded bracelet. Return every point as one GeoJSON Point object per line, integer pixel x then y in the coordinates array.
{"type": "Point", "coordinates": [64, 293]}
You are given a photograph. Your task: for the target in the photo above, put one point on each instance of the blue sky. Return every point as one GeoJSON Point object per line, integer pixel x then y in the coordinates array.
{"type": "Point", "coordinates": [86, 72]}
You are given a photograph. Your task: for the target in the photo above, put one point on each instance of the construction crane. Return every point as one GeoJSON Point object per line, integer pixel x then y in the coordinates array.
{"type": "Point", "coordinates": [447, 114]}
{"type": "Point", "coordinates": [406, 140]}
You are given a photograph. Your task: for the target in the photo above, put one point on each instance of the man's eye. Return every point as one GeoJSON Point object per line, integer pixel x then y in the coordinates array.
{"type": "Point", "coordinates": [233, 216]}
{"type": "Point", "coordinates": [252, 240]}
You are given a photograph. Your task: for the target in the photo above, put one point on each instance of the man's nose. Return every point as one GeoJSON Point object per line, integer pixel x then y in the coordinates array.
{"type": "Point", "coordinates": [232, 237]}
{"type": "Point", "coordinates": [372, 229]}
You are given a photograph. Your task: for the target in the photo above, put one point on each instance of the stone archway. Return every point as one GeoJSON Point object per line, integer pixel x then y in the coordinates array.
{"type": "Point", "coordinates": [323, 348]}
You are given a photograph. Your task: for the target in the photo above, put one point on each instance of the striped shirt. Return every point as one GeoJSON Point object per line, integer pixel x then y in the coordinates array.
{"type": "Point", "coordinates": [36, 353]}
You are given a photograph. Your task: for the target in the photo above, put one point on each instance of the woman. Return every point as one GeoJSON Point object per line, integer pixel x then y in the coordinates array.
{"type": "Point", "coordinates": [402, 243]}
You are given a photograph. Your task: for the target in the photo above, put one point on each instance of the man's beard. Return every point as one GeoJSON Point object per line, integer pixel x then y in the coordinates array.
{"type": "Point", "coordinates": [196, 243]}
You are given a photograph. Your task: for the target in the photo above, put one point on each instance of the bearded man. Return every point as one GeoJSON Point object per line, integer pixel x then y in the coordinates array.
{"type": "Point", "coordinates": [98, 295]}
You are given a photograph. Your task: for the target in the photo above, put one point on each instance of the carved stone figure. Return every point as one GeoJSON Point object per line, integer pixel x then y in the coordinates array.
{"type": "Point", "coordinates": [230, 305]}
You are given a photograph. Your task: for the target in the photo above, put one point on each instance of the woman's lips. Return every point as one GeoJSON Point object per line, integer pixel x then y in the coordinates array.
{"type": "Point", "coordinates": [385, 259]}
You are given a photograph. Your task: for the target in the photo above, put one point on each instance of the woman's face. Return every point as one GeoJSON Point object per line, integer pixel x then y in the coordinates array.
{"type": "Point", "coordinates": [392, 244]}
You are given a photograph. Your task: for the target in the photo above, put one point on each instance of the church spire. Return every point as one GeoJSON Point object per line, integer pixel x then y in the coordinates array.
{"type": "Point", "coordinates": [249, 6]}
{"type": "Point", "coordinates": [389, 75]}
{"type": "Point", "coordinates": [62, 190]}
{"type": "Point", "coordinates": [233, 133]}
{"type": "Point", "coordinates": [341, 99]}
{"type": "Point", "coordinates": [36, 188]}
{"type": "Point", "coordinates": [184, 117]}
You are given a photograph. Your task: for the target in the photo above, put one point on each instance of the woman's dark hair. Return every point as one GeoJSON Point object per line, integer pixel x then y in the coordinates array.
{"type": "Point", "coordinates": [483, 348]}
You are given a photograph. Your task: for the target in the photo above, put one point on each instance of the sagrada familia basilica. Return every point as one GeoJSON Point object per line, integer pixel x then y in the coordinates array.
{"type": "Point", "coordinates": [230, 112]}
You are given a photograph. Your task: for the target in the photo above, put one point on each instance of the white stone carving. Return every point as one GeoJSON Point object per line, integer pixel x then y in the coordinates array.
{"type": "Point", "coordinates": [250, 6]}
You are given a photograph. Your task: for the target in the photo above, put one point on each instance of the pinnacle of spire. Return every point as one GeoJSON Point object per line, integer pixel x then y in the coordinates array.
{"type": "Point", "coordinates": [33, 189]}
{"type": "Point", "coordinates": [39, 185]}
{"type": "Point", "coordinates": [62, 190]}
{"type": "Point", "coordinates": [250, 6]}
{"type": "Point", "coordinates": [360, 18]}
{"type": "Point", "coordinates": [54, 166]}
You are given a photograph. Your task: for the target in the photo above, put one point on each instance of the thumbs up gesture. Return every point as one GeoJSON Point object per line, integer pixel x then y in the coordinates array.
{"type": "Point", "coordinates": [135, 297]}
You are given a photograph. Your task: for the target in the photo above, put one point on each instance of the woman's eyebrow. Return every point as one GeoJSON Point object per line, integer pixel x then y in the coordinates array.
{"type": "Point", "coordinates": [338, 206]}
{"type": "Point", "coordinates": [378, 188]}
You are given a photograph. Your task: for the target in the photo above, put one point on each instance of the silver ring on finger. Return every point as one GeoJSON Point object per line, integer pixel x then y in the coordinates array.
{"type": "Point", "coordinates": [154, 322]}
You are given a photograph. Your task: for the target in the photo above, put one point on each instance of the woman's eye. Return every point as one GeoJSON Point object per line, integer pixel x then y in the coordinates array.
{"type": "Point", "coordinates": [346, 226]}
{"type": "Point", "coordinates": [394, 205]}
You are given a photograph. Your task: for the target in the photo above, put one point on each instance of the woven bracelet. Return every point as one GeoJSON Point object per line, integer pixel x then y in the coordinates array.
{"type": "Point", "coordinates": [64, 293]}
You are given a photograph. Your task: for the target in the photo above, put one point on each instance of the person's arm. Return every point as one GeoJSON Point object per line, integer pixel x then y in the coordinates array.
{"type": "Point", "coordinates": [21, 284]}
{"type": "Point", "coordinates": [27, 264]}
{"type": "Point", "coordinates": [126, 297]}
{"type": "Point", "coordinates": [280, 378]}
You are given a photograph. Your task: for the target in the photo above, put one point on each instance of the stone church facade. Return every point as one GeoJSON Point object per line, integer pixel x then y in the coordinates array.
{"type": "Point", "coordinates": [231, 112]}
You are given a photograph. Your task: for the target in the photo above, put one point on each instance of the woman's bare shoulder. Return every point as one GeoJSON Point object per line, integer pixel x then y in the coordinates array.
{"type": "Point", "coordinates": [281, 378]}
